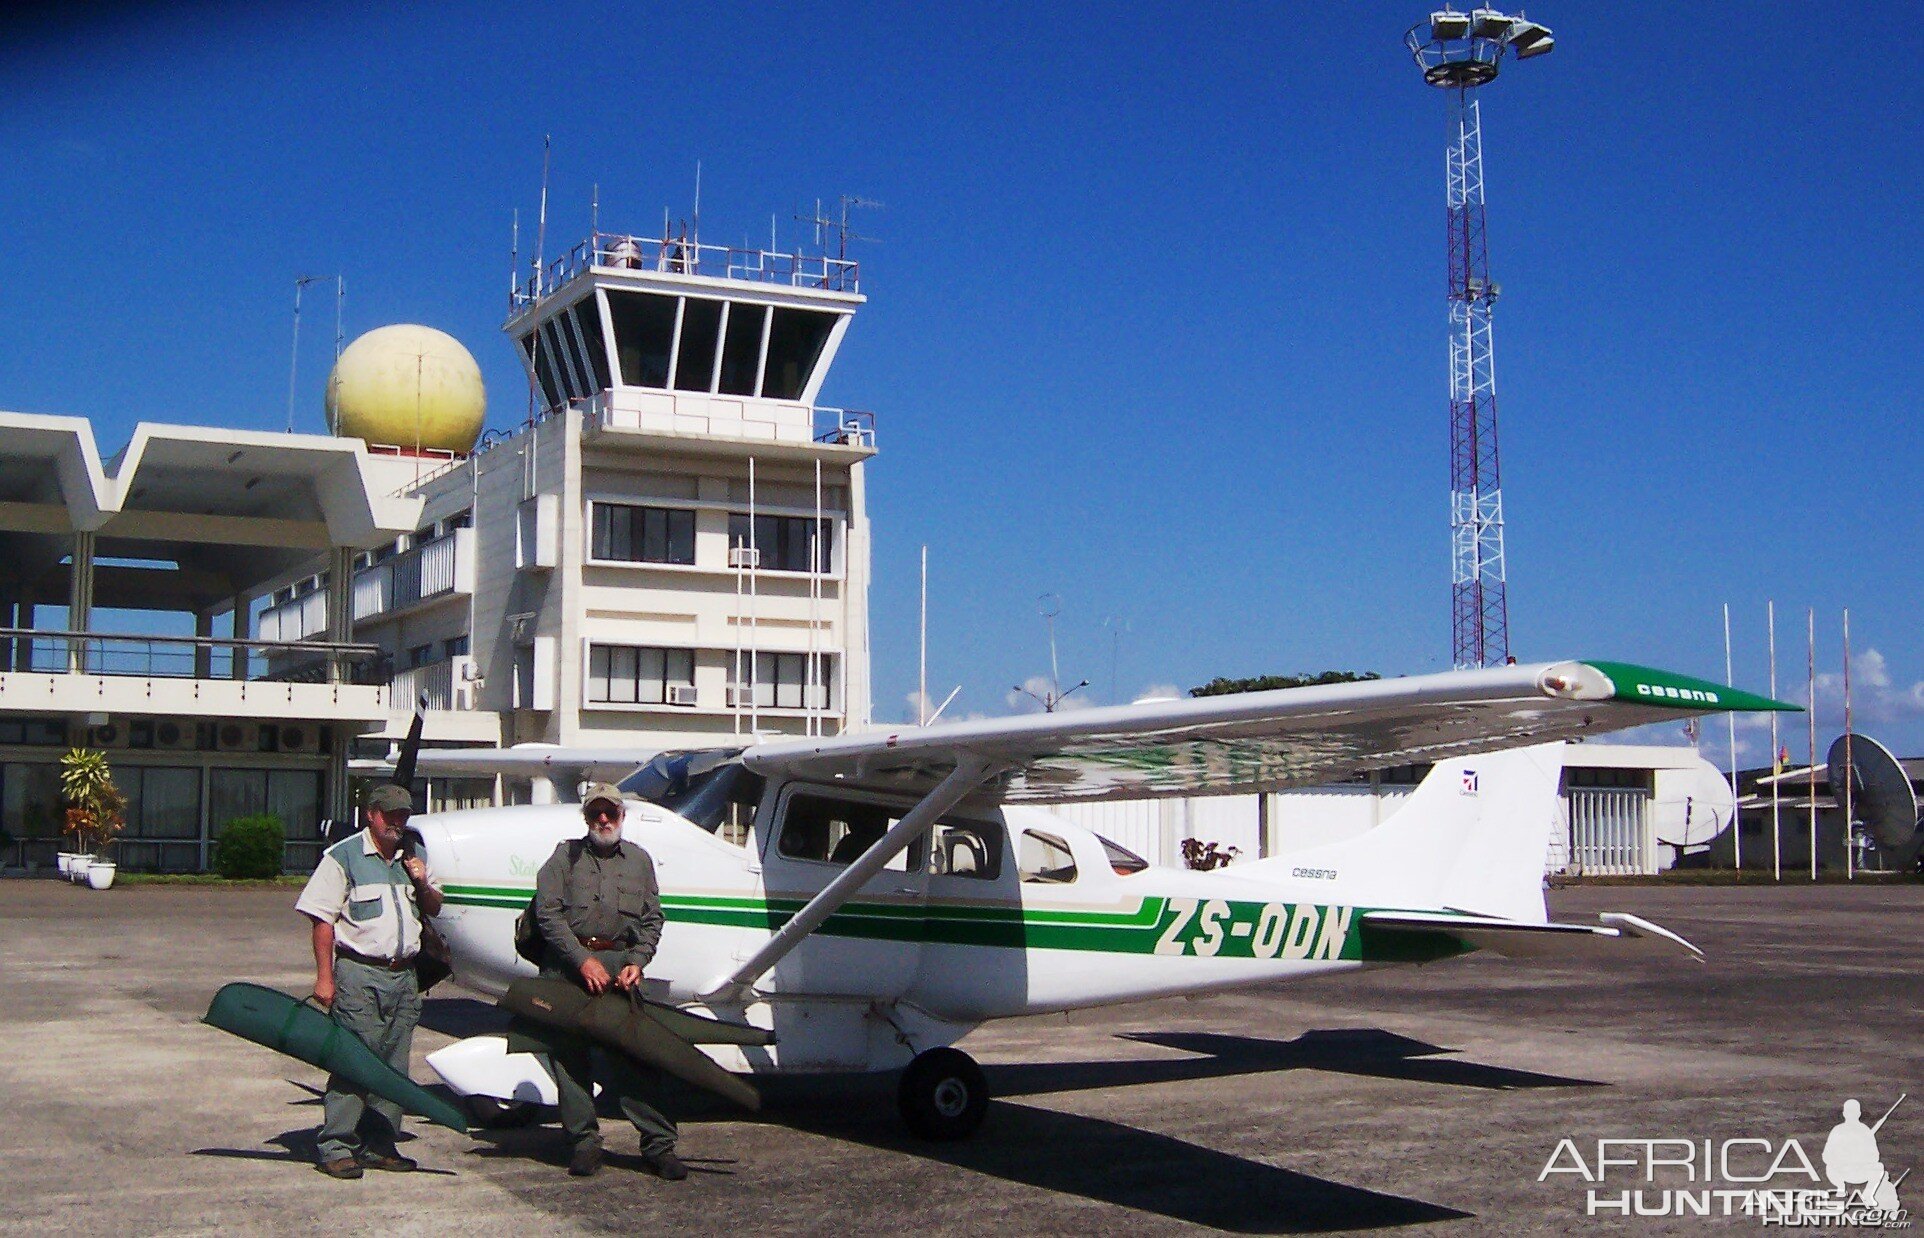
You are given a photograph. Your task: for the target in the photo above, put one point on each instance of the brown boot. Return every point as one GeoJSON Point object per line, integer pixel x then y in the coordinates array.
{"type": "Point", "coordinates": [586, 1162]}
{"type": "Point", "coordinates": [341, 1167]}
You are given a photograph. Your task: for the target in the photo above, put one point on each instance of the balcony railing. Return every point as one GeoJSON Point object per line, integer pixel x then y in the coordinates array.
{"type": "Point", "coordinates": [295, 619]}
{"type": "Point", "coordinates": [685, 257]}
{"type": "Point", "coordinates": [45, 652]}
{"type": "Point", "coordinates": [433, 569]}
{"type": "Point", "coordinates": [444, 685]}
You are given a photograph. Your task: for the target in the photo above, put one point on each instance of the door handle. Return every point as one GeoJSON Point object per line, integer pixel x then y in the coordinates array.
{"type": "Point", "coordinates": [906, 890]}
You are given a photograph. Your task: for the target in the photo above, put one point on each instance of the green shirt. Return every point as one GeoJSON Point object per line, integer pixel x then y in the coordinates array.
{"type": "Point", "coordinates": [580, 893]}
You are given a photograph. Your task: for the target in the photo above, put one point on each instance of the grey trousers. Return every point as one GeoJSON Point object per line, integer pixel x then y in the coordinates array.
{"type": "Point", "coordinates": [571, 1060]}
{"type": "Point", "coordinates": [381, 1007]}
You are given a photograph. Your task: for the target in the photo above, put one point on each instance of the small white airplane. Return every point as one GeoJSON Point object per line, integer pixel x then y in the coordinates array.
{"type": "Point", "coordinates": [897, 889]}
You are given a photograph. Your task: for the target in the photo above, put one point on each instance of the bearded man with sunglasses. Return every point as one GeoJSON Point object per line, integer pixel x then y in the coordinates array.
{"type": "Point", "coordinates": [599, 911]}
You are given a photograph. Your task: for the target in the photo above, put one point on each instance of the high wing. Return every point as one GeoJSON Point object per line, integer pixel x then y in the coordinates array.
{"type": "Point", "coordinates": [1260, 741]}
{"type": "Point", "coordinates": [1250, 742]}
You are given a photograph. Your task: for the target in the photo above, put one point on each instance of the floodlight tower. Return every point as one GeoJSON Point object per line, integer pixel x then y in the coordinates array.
{"type": "Point", "coordinates": [1459, 52]}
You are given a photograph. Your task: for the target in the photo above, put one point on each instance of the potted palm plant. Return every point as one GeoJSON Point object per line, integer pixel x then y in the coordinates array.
{"type": "Point", "coordinates": [96, 812]}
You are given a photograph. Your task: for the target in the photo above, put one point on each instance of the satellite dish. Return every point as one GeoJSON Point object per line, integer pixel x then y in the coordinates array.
{"type": "Point", "coordinates": [1881, 795]}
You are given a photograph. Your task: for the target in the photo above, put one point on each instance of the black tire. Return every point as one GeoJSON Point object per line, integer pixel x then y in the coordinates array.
{"type": "Point", "coordinates": [943, 1095]}
{"type": "Point", "coordinates": [493, 1114]}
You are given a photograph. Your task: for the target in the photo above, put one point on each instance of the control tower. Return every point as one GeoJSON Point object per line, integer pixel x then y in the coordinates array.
{"type": "Point", "coordinates": [676, 337]}
{"type": "Point", "coordinates": [691, 557]}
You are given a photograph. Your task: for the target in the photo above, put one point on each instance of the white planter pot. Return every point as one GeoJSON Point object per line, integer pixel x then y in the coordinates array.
{"type": "Point", "coordinates": [77, 869]}
{"type": "Point", "coordinates": [65, 860]}
{"type": "Point", "coordinates": [100, 874]}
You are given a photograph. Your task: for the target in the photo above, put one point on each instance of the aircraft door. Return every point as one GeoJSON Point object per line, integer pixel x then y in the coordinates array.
{"type": "Point", "coordinates": [872, 946]}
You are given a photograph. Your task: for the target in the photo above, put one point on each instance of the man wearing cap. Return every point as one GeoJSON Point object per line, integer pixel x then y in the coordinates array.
{"type": "Point", "coordinates": [366, 902]}
{"type": "Point", "coordinates": [599, 911]}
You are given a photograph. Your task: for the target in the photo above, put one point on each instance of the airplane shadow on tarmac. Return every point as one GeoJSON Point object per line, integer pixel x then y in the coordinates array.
{"type": "Point", "coordinates": [1094, 1158]}
{"type": "Point", "coordinates": [1144, 1170]}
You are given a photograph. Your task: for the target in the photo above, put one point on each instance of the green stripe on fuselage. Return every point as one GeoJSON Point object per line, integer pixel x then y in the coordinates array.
{"type": "Point", "coordinates": [1178, 927]}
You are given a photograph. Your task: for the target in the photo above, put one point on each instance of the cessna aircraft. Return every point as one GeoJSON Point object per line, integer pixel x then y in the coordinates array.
{"type": "Point", "coordinates": [898, 888]}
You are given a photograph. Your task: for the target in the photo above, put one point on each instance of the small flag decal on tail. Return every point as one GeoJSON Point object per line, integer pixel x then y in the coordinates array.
{"type": "Point", "coordinates": [1469, 782]}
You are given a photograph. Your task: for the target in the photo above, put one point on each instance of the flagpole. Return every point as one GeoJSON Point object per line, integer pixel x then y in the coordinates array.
{"type": "Point", "coordinates": [1736, 814]}
{"type": "Point", "coordinates": [1810, 630]}
{"type": "Point", "coordinates": [1776, 757]}
{"type": "Point", "coordinates": [1850, 766]}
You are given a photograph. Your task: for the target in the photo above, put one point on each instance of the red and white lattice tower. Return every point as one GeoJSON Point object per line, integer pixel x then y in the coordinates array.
{"type": "Point", "coordinates": [1459, 52]}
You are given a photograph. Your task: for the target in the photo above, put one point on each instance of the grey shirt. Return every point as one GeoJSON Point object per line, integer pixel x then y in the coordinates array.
{"type": "Point", "coordinates": [579, 893]}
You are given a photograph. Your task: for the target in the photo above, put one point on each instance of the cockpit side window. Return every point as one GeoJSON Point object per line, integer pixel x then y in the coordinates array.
{"type": "Point", "coordinates": [836, 831]}
{"type": "Point", "coordinates": [1046, 859]}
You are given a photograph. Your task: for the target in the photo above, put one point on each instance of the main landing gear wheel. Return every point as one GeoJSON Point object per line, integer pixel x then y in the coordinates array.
{"type": "Point", "coordinates": [943, 1095]}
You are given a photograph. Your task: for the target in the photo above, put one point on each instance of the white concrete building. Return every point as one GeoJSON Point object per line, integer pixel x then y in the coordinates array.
{"type": "Point", "coordinates": [673, 550]}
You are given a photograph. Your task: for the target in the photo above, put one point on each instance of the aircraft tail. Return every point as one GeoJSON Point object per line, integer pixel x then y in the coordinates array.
{"type": "Point", "coordinates": [1472, 838]}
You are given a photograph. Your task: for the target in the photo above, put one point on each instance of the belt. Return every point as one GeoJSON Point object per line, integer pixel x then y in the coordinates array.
{"type": "Point", "coordinates": [599, 943]}
{"type": "Point", "coordinates": [355, 956]}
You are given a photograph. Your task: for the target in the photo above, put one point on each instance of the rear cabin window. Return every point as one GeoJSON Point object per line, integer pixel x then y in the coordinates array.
{"type": "Point", "coordinates": [966, 849]}
{"type": "Point", "coordinates": [1046, 859]}
{"type": "Point", "coordinates": [1125, 862]}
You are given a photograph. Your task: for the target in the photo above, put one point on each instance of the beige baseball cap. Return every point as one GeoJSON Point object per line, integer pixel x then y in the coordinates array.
{"type": "Point", "coordinates": [390, 798]}
{"type": "Point", "coordinates": [598, 791]}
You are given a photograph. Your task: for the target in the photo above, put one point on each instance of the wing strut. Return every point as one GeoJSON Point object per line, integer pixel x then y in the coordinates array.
{"type": "Point", "coordinates": [969, 773]}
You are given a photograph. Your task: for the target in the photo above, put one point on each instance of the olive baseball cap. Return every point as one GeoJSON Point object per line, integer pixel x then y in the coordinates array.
{"type": "Point", "coordinates": [390, 798]}
{"type": "Point", "coordinates": [598, 791]}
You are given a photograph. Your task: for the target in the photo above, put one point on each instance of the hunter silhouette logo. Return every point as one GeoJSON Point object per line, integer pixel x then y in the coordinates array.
{"type": "Point", "coordinates": [1852, 1163]}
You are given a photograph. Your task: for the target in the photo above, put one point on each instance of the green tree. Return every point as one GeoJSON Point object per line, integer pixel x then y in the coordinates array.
{"type": "Point", "coordinates": [1263, 683]}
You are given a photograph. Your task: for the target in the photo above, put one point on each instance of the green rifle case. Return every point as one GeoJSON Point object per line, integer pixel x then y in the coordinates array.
{"type": "Point", "coordinates": [288, 1025]}
{"type": "Point", "coordinates": [661, 1036]}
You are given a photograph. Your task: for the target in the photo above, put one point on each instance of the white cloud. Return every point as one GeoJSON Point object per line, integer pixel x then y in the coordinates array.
{"type": "Point", "coordinates": [1159, 690]}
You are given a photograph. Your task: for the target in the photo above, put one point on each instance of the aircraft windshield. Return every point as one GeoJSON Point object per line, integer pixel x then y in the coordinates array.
{"type": "Point", "coordinates": [710, 788]}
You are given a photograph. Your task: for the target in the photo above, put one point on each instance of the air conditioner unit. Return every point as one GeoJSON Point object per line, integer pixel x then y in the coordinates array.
{"type": "Point", "coordinates": [237, 737]}
{"type": "Point", "coordinates": [740, 696]}
{"type": "Point", "coordinates": [470, 672]}
{"type": "Point", "coordinates": [745, 556]}
{"type": "Point", "coordinates": [173, 733]}
{"type": "Point", "coordinates": [107, 735]}
{"type": "Point", "coordinates": [300, 737]}
{"type": "Point", "coordinates": [681, 694]}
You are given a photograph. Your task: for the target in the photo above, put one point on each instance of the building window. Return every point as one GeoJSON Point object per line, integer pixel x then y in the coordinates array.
{"type": "Point", "coordinates": [781, 543]}
{"type": "Point", "coordinates": [782, 681]}
{"type": "Point", "coordinates": [627, 534]}
{"type": "Point", "coordinates": [454, 647]}
{"type": "Point", "coordinates": [644, 336]}
{"type": "Point", "coordinates": [640, 675]}
{"type": "Point", "coordinates": [796, 338]}
{"type": "Point", "coordinates": [700, 339]}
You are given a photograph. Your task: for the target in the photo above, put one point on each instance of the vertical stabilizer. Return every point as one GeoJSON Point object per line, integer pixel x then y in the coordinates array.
{"type": "Point", "coordinates": [1472, 837]}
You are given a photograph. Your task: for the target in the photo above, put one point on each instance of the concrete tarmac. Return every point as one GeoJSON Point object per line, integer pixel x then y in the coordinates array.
{"type": "Point", "coordinates": [1423, 1099]}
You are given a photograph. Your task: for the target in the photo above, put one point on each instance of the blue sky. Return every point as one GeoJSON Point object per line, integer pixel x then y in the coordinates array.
{"type": "Point", "coordinates": [1156, 316]}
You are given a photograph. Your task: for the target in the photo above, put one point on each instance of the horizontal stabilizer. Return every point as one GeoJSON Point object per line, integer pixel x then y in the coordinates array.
{"type": "Point", "coordinates": [1616, 933]}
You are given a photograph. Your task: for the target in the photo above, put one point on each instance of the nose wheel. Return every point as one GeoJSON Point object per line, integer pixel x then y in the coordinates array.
{"type": "Point", "coordinates": [943, 1095]}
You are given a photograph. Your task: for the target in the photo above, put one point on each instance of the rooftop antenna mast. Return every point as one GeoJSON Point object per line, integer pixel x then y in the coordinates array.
{"type": "Point", "coordinates": [1459, 52]}
{"type": "Point", "coordinates": [837, 225]}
